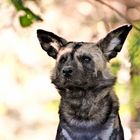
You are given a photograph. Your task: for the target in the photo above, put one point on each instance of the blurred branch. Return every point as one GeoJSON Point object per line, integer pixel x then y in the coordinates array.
{"type": "Point", "coordinates": [115, 10]}
{"type": "Point", "coordinates": [18, 4]}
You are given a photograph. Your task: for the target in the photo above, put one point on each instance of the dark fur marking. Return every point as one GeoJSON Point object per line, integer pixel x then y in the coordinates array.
{"type": "Point", "coordinates": [78, 45]}
{"type": "Point", "coordinates": [75, 47]}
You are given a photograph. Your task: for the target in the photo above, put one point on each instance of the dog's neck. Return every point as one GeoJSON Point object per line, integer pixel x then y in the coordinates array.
{"type": "Point", "coordinates": [82, 108]}
{"type": "Point", "coordinates": [88, 111]}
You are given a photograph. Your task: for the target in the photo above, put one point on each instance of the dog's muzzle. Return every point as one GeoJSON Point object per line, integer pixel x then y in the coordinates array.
{"type": "Point", "coordinates": [67, 71]}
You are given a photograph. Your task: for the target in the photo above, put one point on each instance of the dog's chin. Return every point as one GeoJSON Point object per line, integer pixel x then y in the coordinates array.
{"type": "Point", "coordinates": [69, 83]}
{"type": "Point", "coordinates": [72, 85]}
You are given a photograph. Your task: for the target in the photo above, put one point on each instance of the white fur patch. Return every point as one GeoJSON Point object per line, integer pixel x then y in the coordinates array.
{"type": "Point", "coordinates": [105, 134]}
{"type": "Point", "coordinates": [66, 135]}
{"type": "Point", "coordinates": [113, 43]}
{"type": "Point", "coordinates": [63, 51]}
{"type": "Point", "coordinates": [55, 45]}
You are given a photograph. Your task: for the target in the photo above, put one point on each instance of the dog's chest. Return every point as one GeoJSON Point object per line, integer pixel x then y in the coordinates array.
{"type": "Point", "coordinates": [103, 134]}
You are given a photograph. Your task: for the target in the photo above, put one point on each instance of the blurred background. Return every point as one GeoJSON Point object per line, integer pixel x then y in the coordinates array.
{"type": "Point", "coordinates": [28, 100]}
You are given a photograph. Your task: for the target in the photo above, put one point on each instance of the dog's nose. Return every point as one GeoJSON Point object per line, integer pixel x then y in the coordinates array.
{"type": "Point", "coordinates": [67, 71]}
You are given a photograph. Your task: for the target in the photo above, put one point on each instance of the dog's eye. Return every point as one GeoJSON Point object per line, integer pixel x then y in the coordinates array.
{"type": "Point", "coordinates": [63, 59]}
{"type": "Point", "coordinates": [85, 59]}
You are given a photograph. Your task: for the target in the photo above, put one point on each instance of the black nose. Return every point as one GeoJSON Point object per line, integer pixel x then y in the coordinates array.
{"type": "Point", "coordinates": [67, 71]}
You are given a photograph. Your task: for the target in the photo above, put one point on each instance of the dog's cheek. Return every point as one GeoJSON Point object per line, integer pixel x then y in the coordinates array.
{"type": "Point", "coordinates": [55, 77]}
{"type": "Point", "coordinates": [78, 73]}
{"type": "Point", "coordinates": [58, 69]}
{"type": "Point", "coordinates": [89, 70]}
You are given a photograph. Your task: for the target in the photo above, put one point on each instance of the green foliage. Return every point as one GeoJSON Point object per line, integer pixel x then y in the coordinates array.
{"type": "Point", "coordinates": [134, 54]}
{"type": "Point", "coordinates": [134, 50]}
{"type": "Point", "coordinates": [18, 4]}
{"type": "Point", "coordinates": [29, 17]}
{"type": "Point", "coordinates": [25, 20]}
{"type": "Point", "coordinates": [135, 87]}
{"type": "Point", "coordinates": [115, 66]}
{"type": "Point", "coordinates": [135, 95]}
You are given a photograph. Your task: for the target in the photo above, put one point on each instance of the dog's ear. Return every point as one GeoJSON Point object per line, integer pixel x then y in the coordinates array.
{"type": "Point", "coordinates": [114, 40]}
{"type": "Point", "coordinates": [50, 42]}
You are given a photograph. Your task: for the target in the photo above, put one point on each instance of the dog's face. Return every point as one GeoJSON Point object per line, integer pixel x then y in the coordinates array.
{"type": "Point", "coordinates": [79, 64]}
{"type": "Point", "coordinates": [82, 64]}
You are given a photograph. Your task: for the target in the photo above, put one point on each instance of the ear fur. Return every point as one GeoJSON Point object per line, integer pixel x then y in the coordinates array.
{"type": "Point", "coordinates": [114, 40]}
{"type": "Point", "coordinates": [50, 42]}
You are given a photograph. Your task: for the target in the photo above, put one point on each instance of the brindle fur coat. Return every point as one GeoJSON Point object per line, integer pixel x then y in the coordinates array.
{"type": "Point", "coordinates": [88, 107]}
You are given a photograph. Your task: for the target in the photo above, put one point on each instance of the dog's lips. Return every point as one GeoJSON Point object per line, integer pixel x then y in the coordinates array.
{"type": "Point", "coordinates": [67, 81]}
{"type": "Point", "coordinates": [74, 84]}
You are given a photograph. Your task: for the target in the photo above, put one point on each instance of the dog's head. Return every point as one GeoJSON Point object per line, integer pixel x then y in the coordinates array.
{"type": "Point", "coordinates": [82, 64]}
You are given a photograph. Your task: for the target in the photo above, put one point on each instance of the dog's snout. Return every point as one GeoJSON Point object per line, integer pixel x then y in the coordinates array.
{"type": "Point", "coordinates": [67, 71]}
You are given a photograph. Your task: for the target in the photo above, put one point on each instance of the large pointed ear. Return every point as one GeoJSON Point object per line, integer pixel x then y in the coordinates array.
{"type": "Point", "coordinates": [50, 42]}
{"type": "Point", "coordinates": [113, 42]}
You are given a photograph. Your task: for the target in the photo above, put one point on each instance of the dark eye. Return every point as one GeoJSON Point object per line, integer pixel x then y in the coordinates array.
{"type": "Point", "coordinates": [63, 59]}
{"type": "Point", "coordinates": [85, 59]}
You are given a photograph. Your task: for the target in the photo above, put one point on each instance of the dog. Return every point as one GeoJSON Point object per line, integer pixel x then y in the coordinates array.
{"type": "Point", "coordinates": [89, 107]}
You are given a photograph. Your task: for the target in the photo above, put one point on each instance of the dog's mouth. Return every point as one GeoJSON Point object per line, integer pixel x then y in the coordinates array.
{"type": "Point", "coordinates": [69, 83]}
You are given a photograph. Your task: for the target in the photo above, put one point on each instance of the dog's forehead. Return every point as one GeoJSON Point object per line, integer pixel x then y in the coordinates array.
{"type": "Point", "coordinates": [67, 49]}
{"type": "Point", "coordinates": [78, 47]}
{"type": "Point", "coordinates": [88, 48]}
